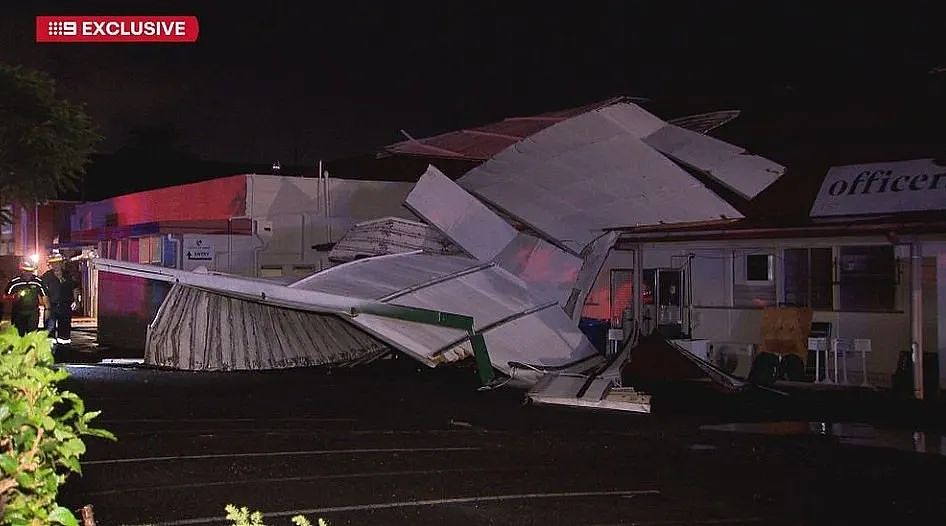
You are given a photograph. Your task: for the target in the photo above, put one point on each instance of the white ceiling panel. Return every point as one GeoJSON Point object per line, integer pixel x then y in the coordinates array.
{"type": "Point", "coordinates": [461, 217]}
{"type": "Point", "coordinates": [728, 164]}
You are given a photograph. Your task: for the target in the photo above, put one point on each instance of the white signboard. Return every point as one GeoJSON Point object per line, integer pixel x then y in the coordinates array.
{"type": "Point", "coordinates": [197, 249]}
{"type": "Point", "coordinates": [881, 188]}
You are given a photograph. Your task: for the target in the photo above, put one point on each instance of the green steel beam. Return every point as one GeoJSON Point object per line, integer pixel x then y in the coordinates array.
{"type": "Point", "coordinates": [481, 355]}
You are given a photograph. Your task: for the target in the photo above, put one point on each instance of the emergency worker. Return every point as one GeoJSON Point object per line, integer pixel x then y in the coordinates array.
{"type": "Point", "coordinates": [60, 291]}
{"type": "Point", "coordinates": [26, 293]}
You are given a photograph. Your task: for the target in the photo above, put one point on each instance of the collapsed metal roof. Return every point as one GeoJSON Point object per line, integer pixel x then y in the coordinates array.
{"type": "Point", "coordinates": [482, 142]}
{"type": "Point", "coordinates": [570, 176]}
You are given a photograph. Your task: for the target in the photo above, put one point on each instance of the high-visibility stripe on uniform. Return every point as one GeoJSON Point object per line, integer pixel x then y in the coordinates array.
{"type": "Point", "coordinates": [20, 282]}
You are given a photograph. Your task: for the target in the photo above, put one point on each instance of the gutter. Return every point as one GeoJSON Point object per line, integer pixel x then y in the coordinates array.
{"type": "Point", "coordinates": [848, 229]}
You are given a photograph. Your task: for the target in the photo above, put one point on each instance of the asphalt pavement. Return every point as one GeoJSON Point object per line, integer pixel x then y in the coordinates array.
{"type": "Point", "coordinates": [396, 443]}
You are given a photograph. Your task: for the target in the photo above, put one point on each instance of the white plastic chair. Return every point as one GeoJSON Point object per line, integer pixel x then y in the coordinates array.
{"type": "Point", "coordinates": [819, 345]}
{"type": "Point", "coordinates": [862, 345]}
{"type": "Point", "coordinates": [841, 348]}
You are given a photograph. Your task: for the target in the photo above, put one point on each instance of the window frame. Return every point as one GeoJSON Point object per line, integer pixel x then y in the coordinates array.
{"type": "Point", "coordinates": [769, 269]}
{"type": "Point", "coordinates": [893, 280]}
{"type": "Point", "coordinates": [810, 276]}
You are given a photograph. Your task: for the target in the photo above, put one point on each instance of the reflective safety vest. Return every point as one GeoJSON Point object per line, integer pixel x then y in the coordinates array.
{"type": "Point", "coordinates": [26, 291]}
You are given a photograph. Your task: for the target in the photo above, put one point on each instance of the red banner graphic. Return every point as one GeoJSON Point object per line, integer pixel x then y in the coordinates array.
{"type": "Point", "coordinates": [108, 28]}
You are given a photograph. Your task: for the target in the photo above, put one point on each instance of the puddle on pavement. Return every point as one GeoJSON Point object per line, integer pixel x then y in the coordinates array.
{"type": "Point", "coordinates": [702, 447]}
{"type": "Point", "coordinates": [850, 433]}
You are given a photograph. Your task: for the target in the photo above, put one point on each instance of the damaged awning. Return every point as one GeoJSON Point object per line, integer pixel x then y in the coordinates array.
{"type": "Point", "coordinates": [518, 325]}
{"type": "Point", "coordinates": [200, 330]}
{"type": "Point", "coordinates": [391, 298]}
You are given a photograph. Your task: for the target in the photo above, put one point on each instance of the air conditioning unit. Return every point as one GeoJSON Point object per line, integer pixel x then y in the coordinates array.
{"type": "Point", "coordinates": [734, 358]}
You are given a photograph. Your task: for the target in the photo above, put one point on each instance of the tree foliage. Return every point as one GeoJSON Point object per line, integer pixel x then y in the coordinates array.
{"type": "Point", "coordinates": [40, 431]}
{"type": "Point", "coordinates": [45, 141]}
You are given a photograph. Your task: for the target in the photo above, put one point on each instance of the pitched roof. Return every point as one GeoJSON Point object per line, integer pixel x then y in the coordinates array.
{"type": "Point", "coordinates": [483, 142]}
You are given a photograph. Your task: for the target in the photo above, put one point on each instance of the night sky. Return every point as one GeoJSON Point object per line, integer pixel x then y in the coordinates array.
{"type": "Point", "coordinates": [307, 80]}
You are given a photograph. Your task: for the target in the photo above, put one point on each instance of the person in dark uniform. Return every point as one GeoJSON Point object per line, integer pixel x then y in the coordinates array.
{"type": "Point", "coordinates": [26, 293]}
{"type": "Point", "coordinates": [60, 289]}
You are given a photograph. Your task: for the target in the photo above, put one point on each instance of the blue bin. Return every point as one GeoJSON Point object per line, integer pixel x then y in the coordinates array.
{"type": "Point", "coordinates": [596, 331]}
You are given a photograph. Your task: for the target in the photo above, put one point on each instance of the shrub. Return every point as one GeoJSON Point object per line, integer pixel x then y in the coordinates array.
{"type": "Point", "coordinates": [244, 517]}
{"type": "Point", "coordinates": [40, 430]}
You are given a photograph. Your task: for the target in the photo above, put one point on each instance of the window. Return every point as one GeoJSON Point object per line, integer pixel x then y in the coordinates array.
{"type": "Point", "coordinates": [144, 250]}
{"type": "Point", "coordinates": [753, 283]}
{"type": "Point", "coordinates": [622, 293]}
{"type": "Point", "coordinates": [868, 278]}
{"type": "Point", "coordinates": [129, 250]}
{"type": "Point", "coordinates": [808, 278]}
{"type": "Point", "coordinates": [156, 249]}
{"type": "Point", "coordinates": [169, 252]}
{"type": "Point", "coordinates": [758, 267]}
{"type": "Point", "coordinates": [7, 228]}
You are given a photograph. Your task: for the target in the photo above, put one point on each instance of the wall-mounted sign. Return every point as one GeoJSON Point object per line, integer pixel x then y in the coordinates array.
{"type": "Point", "coordinates": [197, 249]}
{"type": "Point", "coordinates": [882, 188]}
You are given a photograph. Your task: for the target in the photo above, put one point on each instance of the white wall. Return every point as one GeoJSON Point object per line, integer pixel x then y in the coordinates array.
{"type": "Point", "coordinates": [271, 195]}
{"type": "Point", "coordinates": [941, 319]}
{"type": "Point", "coordinates": [296, 212]}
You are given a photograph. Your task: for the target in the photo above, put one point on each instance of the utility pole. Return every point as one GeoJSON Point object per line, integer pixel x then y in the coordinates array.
{"type": "Point", "coordinates": [36, 228]}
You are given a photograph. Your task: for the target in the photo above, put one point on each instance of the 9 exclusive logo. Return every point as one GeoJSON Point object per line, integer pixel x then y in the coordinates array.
{"type": "Point", "coordinates": [106, 28]}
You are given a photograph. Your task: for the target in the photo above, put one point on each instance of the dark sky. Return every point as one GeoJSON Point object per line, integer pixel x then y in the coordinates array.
{"type": "Point", "coordinates": [306, 80]}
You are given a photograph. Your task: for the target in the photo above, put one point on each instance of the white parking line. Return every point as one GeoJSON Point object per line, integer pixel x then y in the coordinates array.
{"type": "Point", "coordinates": [417, 503]}
{"type": "Point", "coordinates": [296, 432]}
{"type": "Point", "coordinates": [684, 522]}
{"type": "Point", "coordinates": [276, 454]}
{"type": "Point", "coordinates": [307, 478]}
{"type": "Point", "coordinates": [219, 420]}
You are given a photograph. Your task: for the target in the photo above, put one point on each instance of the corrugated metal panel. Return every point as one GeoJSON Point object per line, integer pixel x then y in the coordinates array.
{"type": "Point", "coordinates": [201, 330]}
{"type": "Point", "coordinates": [376, 278]}
{"type": "Point", "coordinates": [730, 165]}
{"type": "Point", "coordinates": [390, 235]}
{"type": "Point", "coordinates": [460, 216]}
{"type": "Point", "coordinates": [592, 172]}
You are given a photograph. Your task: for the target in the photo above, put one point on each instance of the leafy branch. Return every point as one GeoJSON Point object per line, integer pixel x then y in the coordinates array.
{"type": "Point", "coordinates": [40, 431]}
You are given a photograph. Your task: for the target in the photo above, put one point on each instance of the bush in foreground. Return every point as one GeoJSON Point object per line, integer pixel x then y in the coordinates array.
{"type": "Point", "coordinates": [40, 431]}
{"type": "Point", "coordinates": [244, 517]}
